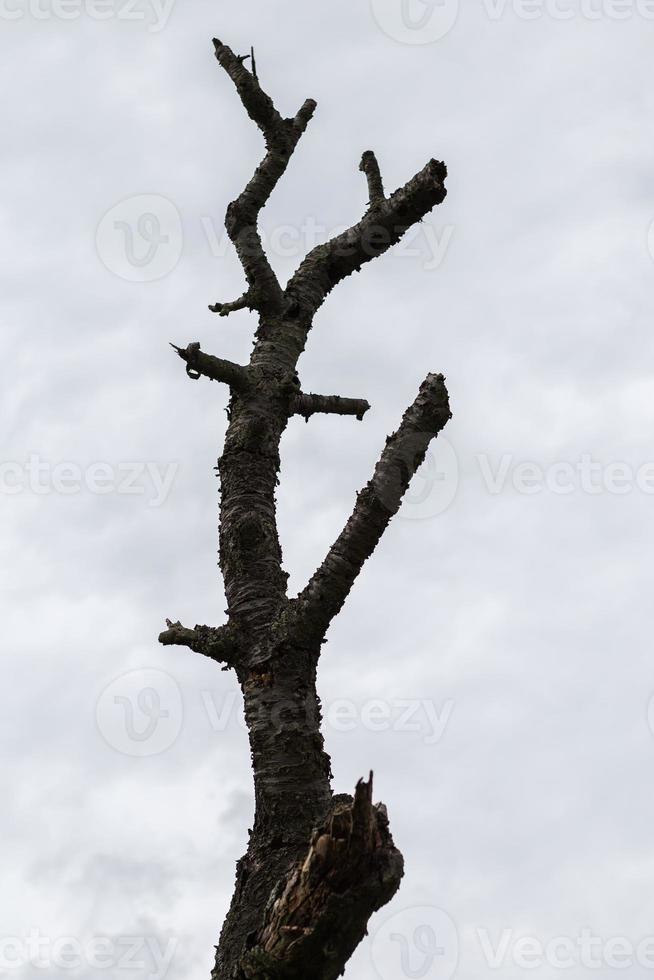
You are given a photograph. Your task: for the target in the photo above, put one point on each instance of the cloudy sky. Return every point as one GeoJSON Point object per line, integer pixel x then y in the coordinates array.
{"type": "Point", "coordinates": [494, 663]}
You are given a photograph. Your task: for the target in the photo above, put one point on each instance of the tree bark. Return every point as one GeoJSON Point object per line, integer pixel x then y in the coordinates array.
{"type": "Point", "coordinates": [317, 865]}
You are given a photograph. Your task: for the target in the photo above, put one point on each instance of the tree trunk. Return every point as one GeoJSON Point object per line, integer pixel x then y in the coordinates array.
{"type": "Point", "coordinates": [292, 791]}
{"type": "Point", "coordinates": [317, 865]}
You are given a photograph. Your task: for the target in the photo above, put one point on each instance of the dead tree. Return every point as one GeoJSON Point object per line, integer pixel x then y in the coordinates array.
{"type": "Point", "coordinates": [317, 865]}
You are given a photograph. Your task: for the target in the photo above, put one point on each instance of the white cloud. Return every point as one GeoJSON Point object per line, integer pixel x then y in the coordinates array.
{"type": "Point", "coordinates": [530, 614]}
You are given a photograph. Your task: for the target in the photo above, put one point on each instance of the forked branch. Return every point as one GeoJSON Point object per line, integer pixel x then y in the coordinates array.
{"type": "Point", "coordinates": [376, 504]}
{"type": "Point", "coordinates": [281, 137]}
{"type": "Point", "coordinates": [381, 227]}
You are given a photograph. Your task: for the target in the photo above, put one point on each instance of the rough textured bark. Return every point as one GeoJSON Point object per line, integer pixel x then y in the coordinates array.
{"type": "Point", "coordinates": [317, 865]}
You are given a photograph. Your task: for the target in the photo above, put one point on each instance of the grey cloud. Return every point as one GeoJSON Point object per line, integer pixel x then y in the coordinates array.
{"type": "Point", "coordinates": [531, 613]}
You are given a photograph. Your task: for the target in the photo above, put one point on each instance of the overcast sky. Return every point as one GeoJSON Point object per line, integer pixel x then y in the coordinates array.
{"type": "Point", "coordinates": [494, 662]}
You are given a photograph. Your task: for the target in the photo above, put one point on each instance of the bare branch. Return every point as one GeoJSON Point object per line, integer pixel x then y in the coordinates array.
{"type": "Point", "coordinates": [370, 168]}
{"type": "Point", "coordinates": [219, 643]}
{"type": "Point", "coordinates": [303, 896]}
{"type": "Point", "coordinates": [308, 405]}
{"type": "Point", "coordinates": [281, 136]}
{"type": "Point", "coordinates": [376, 504]}
{"type": "Point", "coordinates": [198, 364]}
{"type": "Point", "coordinates": [304, 114]}
{"type": "Point", "coordinates": [244, 302]}
{"type": "Point", "coordinates": [382, 226]}
{"type": "Point", "coordinates": [352, 869]}
{"type": "Point", "coordinates": [258, 104]}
